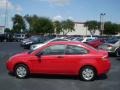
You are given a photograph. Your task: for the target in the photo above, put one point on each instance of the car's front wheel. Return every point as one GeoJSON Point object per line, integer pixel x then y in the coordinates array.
{"type": "Point", "coordinates": [87, 73]}
{"type": "Point", "coordinates": [21, 71]}
{"type": "Point", "coordinates": [117, 52]}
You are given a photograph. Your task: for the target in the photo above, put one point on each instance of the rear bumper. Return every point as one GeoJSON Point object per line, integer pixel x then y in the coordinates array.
{"type": "Point", "coordinates": [104, 67]}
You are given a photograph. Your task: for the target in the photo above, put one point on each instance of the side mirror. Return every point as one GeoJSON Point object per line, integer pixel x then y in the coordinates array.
{"type": "Point", "coordinates": [39, 54]}
{"type": "Point", "coordinates": [86, 42]}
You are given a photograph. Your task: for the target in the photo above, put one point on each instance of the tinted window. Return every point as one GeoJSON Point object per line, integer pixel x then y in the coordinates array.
{"type": "Point", "coordinates": [54, 50]}
{"type": "Point", "coordinates": [80, 39]}
{"type": "Point", "coordinates": [89, 40]}
{"type": "Point", "coordinates": [75, 50]}
{"type": "Point", "coordinates": [34, 38]}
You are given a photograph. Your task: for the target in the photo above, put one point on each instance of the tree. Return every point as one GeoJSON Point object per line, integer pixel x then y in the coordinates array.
{"type": "Point", "coordinates": [111, 28]}
{"type": "Point", "coordinates": [67, 26]}
{"type": "Point", "coordinates": [118, 28]}
{"type": "Point", "coordinates": [31, 20]}
{"type": "Point", "coordinates": [46, 25]}
{"type": "Point", "coordinates": [40, 25]}
{"type": "Point", "coordinates": [92, 26]}
{"type": "Point", "coordinates": [7, 30]}
{"type": "Point", "coordinates": [18, 24]}
{"type": "Point", "coordinates": [57, 27]}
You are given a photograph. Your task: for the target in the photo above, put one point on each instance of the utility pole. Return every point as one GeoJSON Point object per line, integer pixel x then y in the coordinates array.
{"type": "Point", "coordinates": [102, 22]}
{"type": "Point", "coordinates": [6, 13]}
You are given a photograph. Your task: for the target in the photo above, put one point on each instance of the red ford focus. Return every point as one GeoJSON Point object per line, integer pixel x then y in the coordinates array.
{"type": "Point", "coordinates": [67, 58]}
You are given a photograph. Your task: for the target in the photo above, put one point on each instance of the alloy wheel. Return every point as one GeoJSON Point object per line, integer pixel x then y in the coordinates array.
{"type": "Point", "coordinates": [21, 71]}
{"type": "Point", "coordinates": [87, 73]}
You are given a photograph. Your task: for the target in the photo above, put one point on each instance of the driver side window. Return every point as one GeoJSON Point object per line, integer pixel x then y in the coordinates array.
{"type": "Point", "coordinates": [54, 50]}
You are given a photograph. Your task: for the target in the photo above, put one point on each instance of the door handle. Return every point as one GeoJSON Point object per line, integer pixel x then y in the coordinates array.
{"type": "Point", "coordinates": [60, 56]}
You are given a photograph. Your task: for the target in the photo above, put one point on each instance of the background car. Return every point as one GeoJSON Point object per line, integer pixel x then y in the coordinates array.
{"type": "Point", "coordinates": [19, 37]}
{"type": "Point", "coordinates": [36, 46]}
{"type": "Point", "coordinates": [32, 40]}
{"type": "Point", "coordinates": [63, 57]}
{"type": "Point", "coordinates": [77, 39]}
{"type": "Point", "coordinates": [112, 46]}
{"type": "Point", "coordinates": [84, 39]}
{"type": "Point", "coordinates": [95, 43]}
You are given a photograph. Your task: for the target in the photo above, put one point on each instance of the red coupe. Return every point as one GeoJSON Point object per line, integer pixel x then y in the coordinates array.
{"type": "Point", "coordinates": [62, 57]}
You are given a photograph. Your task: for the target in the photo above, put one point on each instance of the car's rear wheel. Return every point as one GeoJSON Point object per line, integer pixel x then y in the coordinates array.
{"type": "Point", "coordinates": [21, 71]}
{"type": "Point", "coordinates": [87, 73]}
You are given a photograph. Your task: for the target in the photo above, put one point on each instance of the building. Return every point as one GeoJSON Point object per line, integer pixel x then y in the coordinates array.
{"type": "Point", "coordinates": [2, 29]}
{"type": "Point", "coordinates": [80, 29]}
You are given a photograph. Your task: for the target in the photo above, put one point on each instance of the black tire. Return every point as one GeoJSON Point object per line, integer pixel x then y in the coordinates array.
{"type": "Point", "coordinates": [21, 71]}
{"type": "Point", "coordinates": [117, 52]}
{"type": "Point", "coordinates": [88, 70]}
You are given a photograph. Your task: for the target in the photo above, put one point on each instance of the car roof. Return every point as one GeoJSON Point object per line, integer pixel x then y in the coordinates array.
{"type": "Point", "coordinates": [59, 38]}
{"type": "Point", "coordinates": [66, 42]}
{"type": "Point", "coordinates": [76, 43]}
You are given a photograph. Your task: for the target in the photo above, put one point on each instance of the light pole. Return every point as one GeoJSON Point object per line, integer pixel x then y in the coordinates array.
{"type": "Point", "coordinates": [102, 22]}
{"type": "Point", "coordinates": [6, 13]}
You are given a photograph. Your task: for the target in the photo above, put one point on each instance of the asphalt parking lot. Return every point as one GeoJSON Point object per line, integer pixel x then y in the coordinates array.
{"type": "Point", "coordinates": [8, 82]}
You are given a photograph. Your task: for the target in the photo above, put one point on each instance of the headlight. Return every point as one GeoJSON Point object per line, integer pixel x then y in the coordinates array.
{"type": "Point", "coordinates": [110, 47]}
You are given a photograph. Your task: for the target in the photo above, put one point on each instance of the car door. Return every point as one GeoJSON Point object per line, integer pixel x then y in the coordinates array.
{"type": "Point", "coordinates": [73, 56]}
{"type": "Point", "coordinates": [51, 60]}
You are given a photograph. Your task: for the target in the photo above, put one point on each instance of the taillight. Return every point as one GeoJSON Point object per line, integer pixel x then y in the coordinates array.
{"type": "Point", "coordinates": [105, 57]}
{"type": "Point", "coordinates": [109, 46]}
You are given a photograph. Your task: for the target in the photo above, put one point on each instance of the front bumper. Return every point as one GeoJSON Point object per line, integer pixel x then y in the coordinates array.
{"type": "Point", "coordinates": [9, 66]}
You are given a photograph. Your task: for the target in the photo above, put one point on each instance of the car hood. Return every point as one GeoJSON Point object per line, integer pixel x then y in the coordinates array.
{"type": "Point", "coordinates": [23, 54]}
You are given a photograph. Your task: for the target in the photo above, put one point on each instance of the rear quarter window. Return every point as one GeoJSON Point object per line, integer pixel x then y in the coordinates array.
{"type": "Point", "coordinates": [71, 50]}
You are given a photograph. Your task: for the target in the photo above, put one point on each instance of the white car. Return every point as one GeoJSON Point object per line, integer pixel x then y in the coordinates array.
{"type": "Point", "coordinates": [87, 39]}
{"type": "Point", "coordinates": [36, 46]}
{"type": "Point", "coordinates": [84, 39]}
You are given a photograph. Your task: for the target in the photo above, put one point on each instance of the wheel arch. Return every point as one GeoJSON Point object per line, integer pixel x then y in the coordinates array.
{"type": "Point", "coordinates": [21, 63]}
{"type": "Point", "coordinates": [116, 48]}
{"type": "Point", "coordinates": [88, 65]}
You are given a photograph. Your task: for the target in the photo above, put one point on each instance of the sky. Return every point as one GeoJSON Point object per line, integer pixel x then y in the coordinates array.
{"type": "Point", "coordinates": [76, 10]}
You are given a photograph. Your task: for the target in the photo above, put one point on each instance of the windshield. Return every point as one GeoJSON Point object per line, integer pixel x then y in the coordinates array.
{"type": "Point", "coordinates": [34, 38]}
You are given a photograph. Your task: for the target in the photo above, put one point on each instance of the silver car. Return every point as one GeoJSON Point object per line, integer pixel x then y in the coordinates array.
{"type": "Point", "coordinates": [112, 46]}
